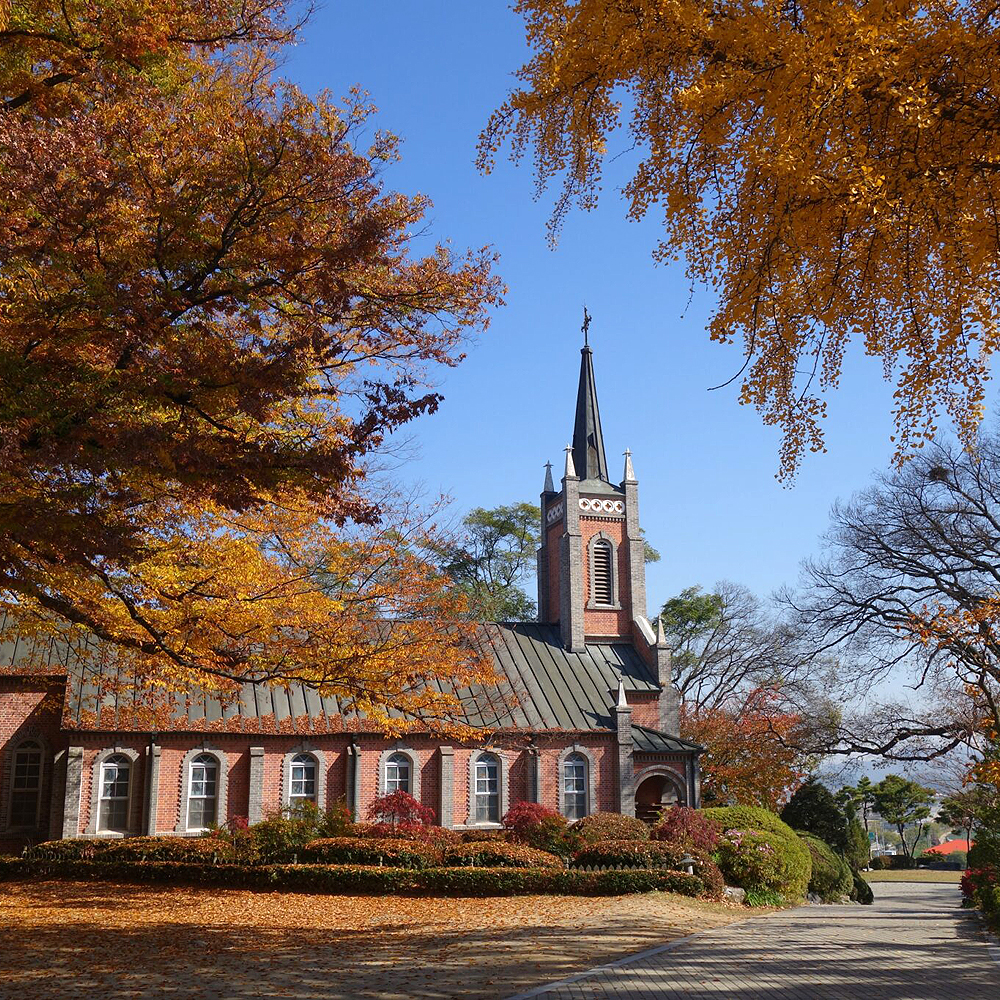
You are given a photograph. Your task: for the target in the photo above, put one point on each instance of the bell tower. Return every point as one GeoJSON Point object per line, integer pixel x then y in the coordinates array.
{"type": "Point", "coordinates": [591, 567]}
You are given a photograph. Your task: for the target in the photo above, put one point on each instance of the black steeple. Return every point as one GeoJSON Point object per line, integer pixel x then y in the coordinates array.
{"type": "Point", "coordinates": [588, 441]}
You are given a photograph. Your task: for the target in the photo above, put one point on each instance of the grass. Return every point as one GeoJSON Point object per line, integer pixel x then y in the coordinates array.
{"type": "Point", "coordinates": [916, 875]}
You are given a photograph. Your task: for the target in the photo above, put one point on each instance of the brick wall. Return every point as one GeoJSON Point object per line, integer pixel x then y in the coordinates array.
{"type": "Point", "coordinates": [29, 709]}
{"type": "Point", "coordinates": [606, 623]}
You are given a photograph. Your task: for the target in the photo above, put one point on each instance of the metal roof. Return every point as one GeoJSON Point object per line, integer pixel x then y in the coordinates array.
{"type": "Point", "coordinates": [653, 741]}
{"type": "Point", "coordinates": [544, 687]}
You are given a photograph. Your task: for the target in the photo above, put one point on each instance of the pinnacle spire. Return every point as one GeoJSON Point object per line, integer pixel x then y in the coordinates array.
{"type": "Point", "coordinates": [548, 487]}
{"type": "Point", "coordinates": [588, 440]}
{"type": "Point", "coordinates": [570, 467]}
{"type": "Point", "coordinates": [629, 476]}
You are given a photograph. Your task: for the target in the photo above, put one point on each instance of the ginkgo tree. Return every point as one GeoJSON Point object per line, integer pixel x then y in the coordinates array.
{"type": "Point", "coordinates": [211, 313]}
{"type": "Point", "coordinates": [828, 167]}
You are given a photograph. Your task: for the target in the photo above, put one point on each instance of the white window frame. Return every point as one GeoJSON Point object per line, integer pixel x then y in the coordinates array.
{"type": "Point", "coordinates": [221, 789]}
{"type": "Point", "coordinates": [503, 789]}
{"type": "Point", "coordinates": [288, 801]}
{"type": "Point", "coordinates": [383, 769]}
{"type": "Point", "coordinates": [590, 779]}
{"type": "Point", "coordinates": [94, 828]}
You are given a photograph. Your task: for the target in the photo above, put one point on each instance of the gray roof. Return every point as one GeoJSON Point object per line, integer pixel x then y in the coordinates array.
{"type": "Point", "coordinates": [545, 687]}
{"type": "Point", "coordinates": [653, 741]}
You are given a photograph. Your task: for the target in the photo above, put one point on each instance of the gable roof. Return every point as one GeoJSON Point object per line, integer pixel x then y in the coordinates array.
{"type": "Point", "coordinates": [551, 689]}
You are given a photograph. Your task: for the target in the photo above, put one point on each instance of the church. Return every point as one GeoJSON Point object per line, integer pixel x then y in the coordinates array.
{"type": "Point", "coordinates": [592, 727]}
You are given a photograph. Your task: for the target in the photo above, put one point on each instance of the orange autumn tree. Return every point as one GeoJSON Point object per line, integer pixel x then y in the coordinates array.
{"type": "Point", "coordinates": [751, 755]}
{"type": "Point", "coordinates": [211, 313]}
{"type": "Point", "coordinates": [828, 167]}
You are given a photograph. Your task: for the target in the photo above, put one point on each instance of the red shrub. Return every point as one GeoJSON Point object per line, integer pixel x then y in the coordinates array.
{"type": "Point", "coordinates": [400, 807]}
{"type": "Point", "coordinates": [688, 828]}
{"type": "Point", "coordinates": [536, 825]}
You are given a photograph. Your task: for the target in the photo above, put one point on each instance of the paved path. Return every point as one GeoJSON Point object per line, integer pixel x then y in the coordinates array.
{"type": "Point", "coordinates": [915, 943]}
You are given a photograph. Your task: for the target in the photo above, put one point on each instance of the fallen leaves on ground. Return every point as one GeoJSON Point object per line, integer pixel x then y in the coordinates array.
{"type": "Point", "coordinates": [75, 940]}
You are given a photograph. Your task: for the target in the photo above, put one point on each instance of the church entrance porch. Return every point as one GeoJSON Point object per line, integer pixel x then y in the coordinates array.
{"type": "Point", "coordinates": [655, 793]}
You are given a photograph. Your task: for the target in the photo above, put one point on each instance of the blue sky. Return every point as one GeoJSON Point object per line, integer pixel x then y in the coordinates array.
{"type": "Point", "coordinates": [708, 497]}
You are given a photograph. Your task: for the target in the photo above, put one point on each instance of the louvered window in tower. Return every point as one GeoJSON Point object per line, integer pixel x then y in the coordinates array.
{"type": "Point", "coordinates": [602, 589]}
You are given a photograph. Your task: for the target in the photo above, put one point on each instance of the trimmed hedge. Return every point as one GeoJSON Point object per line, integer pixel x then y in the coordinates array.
{"type": "Point", "coordinates": [653, 855]}
{"type": "Point", "coordinates": [631, 853]}
{"type": "Point", "coordinates": [373, 851]}
{"type": "Point", "coordinates": [495, 854]}
{"type": "Point", "coordinates": [349, 879]}
{"type": "Point", "coordinates": [480, 836]}
{"type": "Point", "coordinates": [608, 826]}
{"type": "Point", "coordinates": [203, 849]}
{"type": "Point", "coordinates": [404, 831]}
{"type": "Point", "coordinates": [831, 878]}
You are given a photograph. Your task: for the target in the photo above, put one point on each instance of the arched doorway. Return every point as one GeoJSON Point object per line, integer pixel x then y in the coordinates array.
{"type": "Point", "coordinates": [657, 790]}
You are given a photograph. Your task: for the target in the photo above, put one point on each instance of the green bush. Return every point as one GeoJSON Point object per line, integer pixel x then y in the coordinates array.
{"type": "Point", "coordinates": [607, 826]}
{"type": "Point", "coordinates": [861, 891]}
{"type": "Point", "coordinates": [984, 853]}
{"type": "Point", "coordinates": [349, 879]}
{"type": "Point", "coordinates": [371, 851]}
{"type": "Point", "coordinates": [897, 862]}
{"type": "Point", "coordinates": [282, 835]}
{"type": "Point", "coordinates": [876, 864]}
{"type": "Point", "coordinates": [748, 818]}
{"type": "Point", "coordinates": [831, 877]}
{"type": "Point", "coordinates": [496, 854]}
{"type": "Point", "coordinates": [763, 861]}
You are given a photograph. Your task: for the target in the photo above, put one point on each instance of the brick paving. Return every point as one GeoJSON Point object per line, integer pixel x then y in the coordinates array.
{"type": "Point", "coordinates": [914, 943]}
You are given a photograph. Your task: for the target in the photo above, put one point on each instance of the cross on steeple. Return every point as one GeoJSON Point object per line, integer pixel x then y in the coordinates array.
{"type": "Point", "coordinates": [586, 326]}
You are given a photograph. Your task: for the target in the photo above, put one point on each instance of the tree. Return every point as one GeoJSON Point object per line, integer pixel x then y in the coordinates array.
{"type": "Point", "coordinates": [724, 644]}
{"type": "Point", "coordinates": [749, 756]}
{"type": "Point", "coordinates": [910, 580]}
{"type": "Point", "coordinates": [903, 803]}
{"type": "Point", "coordinates": [493, 552]}
{"type": "Point", "coordinates": [210, 315]}
{"type": "Point", "coordinates": [961, 809]}
{"type": "Point", "coordinates": [814, 809]}
{"type": "Point", "coordinates": [828, 169]}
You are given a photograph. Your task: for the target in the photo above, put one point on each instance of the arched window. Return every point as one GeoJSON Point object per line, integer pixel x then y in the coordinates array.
{"type": "Point", "coordinates": [574, 782]}
{"type": "Point", "coordinates": [303, 779]}
{"type": "Point", "coordinates": [26, 785]}
{"type": "Point", "coordinates": [397, 774]}
{"type": "Point", "coordinates": [204, 792]}
{"type": "Point", "coordinates": [113, 807]}
{"type": "Point", "coordinates": [602, 588]}
{"type": "Point", "coordinates": [487, 789]}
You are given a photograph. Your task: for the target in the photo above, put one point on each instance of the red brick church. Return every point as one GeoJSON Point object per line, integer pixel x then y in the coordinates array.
{"type": "Point", "coordinates": [593, 726]}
